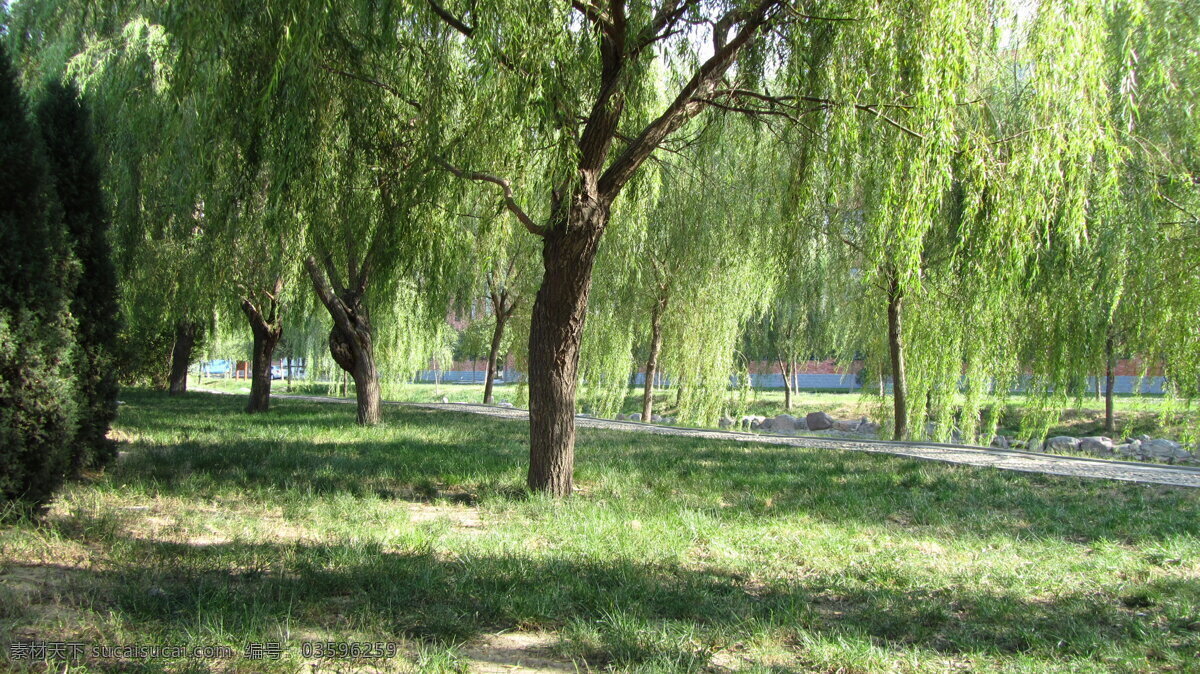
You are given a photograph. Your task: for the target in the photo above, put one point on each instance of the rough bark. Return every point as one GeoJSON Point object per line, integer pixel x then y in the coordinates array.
{"type": "Point", "coordinates": [652, 360]}
{"type": "Point", "coordinates": [896, 346]}
{"type": "Point", "coordinates": [556, 329]}
{"type": "Point", "coordinates": [502, 310]}
{"type": "Point", "coordinates": [181, 356]}
{"type": "Point", "coordinates": [1110, 380]}
{"type": "Point", "coordinates": [267, 330]}
{"type": "Point", "coordinates": [350, 340]}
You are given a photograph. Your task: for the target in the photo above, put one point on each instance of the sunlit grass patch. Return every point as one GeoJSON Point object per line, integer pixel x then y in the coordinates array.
{"type": "Point", "coordinates": [679, 554]}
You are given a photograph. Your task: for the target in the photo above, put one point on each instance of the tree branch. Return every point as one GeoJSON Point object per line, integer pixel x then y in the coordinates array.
{"type": "Point", "coordinates": [325, 292]}
{"type": "Point", "coordinates": [509, 201]}
{"type": "Point", "coordinates": [450, 19]}
{"type": "Point", "coordinates": [689, 102]}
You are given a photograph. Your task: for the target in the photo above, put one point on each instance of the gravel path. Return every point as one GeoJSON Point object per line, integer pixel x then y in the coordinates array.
{"type": "Point", "coordinates": [1029, 462]}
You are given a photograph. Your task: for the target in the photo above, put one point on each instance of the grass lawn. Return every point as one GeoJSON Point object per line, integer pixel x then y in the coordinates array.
{"type": "Point", "coordinates": [1135, 414]}
{"type": "Point", "coordinates": [218, 528]}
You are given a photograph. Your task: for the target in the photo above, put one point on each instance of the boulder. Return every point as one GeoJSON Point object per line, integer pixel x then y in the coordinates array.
{"type": "Point", "coordinates": [1000, 442]}
{"type": "Point", "coordinates": [636, 416]}
{"type": "Point", "coordinates": [846, 426]}
{"type": "Point", "coordinates": [1162, 448]}
{"type": "Point", "coordinates": [1097, 445]}
{"type": "Point", "coordinates": [1128, 448]}
{"type": "Point", "coordinates": [764, 424]}
{"type": "Point", "coordinates": [755, 425]}
{"type": "Point", "coordinates": [866, 427]}
{"type": "Point", "coordinates": [620, 417]}
{"type": "Point", "coordinates": [724, 422]}
{"type": "Point", "coordinates": [656, 418]}
{"type": "Point", "coordinates": [783, 423]}
{"type": "Point", "coordinates": [818, 421]}
{"type": "Point", "coordinates": [504, 405]}
{"type": "Point", "coordinates": [1062, 443]}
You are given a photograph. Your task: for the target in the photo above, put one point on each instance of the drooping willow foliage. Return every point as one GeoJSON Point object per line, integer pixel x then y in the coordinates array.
{"type": "Point", "coordinates": [1017, 181]}
{"type": "Point", "coordinates": [693, 237]}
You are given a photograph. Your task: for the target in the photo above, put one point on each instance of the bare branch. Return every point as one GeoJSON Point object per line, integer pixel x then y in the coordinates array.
{"type": "Point", "coordinates": [374, 82]}
{"type": "Point", "coordinates": [449, 18]}
{"type": "Point", "coordinates": [509, 201]}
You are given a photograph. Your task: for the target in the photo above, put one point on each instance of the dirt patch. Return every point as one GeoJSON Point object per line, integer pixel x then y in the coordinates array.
{"type": "Point", "coordinates": [516, 652]}
{"type": "Point", "coordinates": [458, 516]}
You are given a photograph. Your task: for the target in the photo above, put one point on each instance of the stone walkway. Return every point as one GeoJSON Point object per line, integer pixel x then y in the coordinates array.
{"type": "Point", "coordinates": [1029, 462]}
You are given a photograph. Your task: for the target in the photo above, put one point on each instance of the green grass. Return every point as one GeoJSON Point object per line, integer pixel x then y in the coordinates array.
{"type": "Point", "coordinates": [1135, 414]}
{"type": "Point", "coordinates": [679, 554]}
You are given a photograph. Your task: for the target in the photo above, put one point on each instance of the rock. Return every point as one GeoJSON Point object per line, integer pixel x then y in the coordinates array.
{"type": "Point", "coordinates": [848, 426]}
{"type": "Point", "coordinates": [1097, 445]}
{"type": "Point", "coordinates": [801, 423]}
{"type": "Point", "coordinates": [1000, 442]}
{"type": "Point", "coordinates": [1128, 448]}
{"type": "Point", "coordinates": [621, 417]}
{"type": "Point", "coordinates": [1162, 448]}
{"type": "Point", "coordinates": [867, 427]}
{"type": "Point", "coordinates": [507, 405]}
{"type": "Point", "coordinates": [585, 415]}
{"type": "Point", "coordinates": [445, 399]}
{"type": "Point", "coordinates": [668, 420]}
{"type": "Point", "coordinates": [724, 422]}
{"type": "Point", "coordinates": [755, 425]}
{"type": "Point", "coordinates": [656, 418]}
{"type": "Point", "coordinates": [1035, 446]}
{"type": "Point", "coordinates": [636, 416]}
{"type": "Point", "coordinates": [818, 421]}
{"type": "Point", "coordinates": [783, 423]}
{"type": "Point", "coordinates": [1062, 443]}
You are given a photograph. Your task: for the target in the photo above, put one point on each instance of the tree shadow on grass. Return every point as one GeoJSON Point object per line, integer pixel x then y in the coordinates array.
{"type": "Point", "coordinates": [425, 449]}
{"type": "Point", "coordinates": [622, 613]}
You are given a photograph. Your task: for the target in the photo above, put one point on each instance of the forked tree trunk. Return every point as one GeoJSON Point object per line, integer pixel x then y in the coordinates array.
{"type": "Point", "coordinates": [266, 330]}
{"type": "Point", "coordinates": [556, 329]}
{"type": "Point", "coordinates": [355, 353]}
{"type": "Point", "coordinates": [896, 346]}
{"type": "Point", "coordinates": [660, 306]}
{"type": "Point", "coordinates": [181, 356]}
{"type": "Point", "coordinates": [350, 340]}
{"type": "Point", "coordinates": [1110, 380]}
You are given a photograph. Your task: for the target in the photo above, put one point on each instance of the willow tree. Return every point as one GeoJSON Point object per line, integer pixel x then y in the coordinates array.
{"type": "Point", "coordinates": [956, 186]}
{"type": "Point", "coordinates": [585, 91]}
{"type": "Point", "coordinates": [1125, 291]}
{"type": "Point", "coordinates": [343, 153]}
{"type": "Point", "coordinates": [121, 63]}
{"type": "Point", "coordinates": [688, 262]}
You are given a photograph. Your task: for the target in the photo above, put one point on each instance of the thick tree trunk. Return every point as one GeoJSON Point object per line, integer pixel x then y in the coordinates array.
{"type": "Point", "coordinates": [350, 340]}
{"type": "Point", "coordinates": [266, 330]}
{"type": "Point", "coordinates": [896, 346]}
{"type": "Point", "coordinates": [355, 353]}
{"type": "Point", "coordinates": [556, 329]}
{"type": "Point", "coordinates": [652, 359]}
{"type": "Point", "coordinates": [1110, 380]}
{"type": "Point", "coordinates": [493, 356]}
{"type": "Point", "coordinates": [181, 356]}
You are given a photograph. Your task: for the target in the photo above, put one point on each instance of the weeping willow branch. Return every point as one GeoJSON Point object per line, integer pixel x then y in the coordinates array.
{"type": "Point", "coordinates": [509, 201]}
